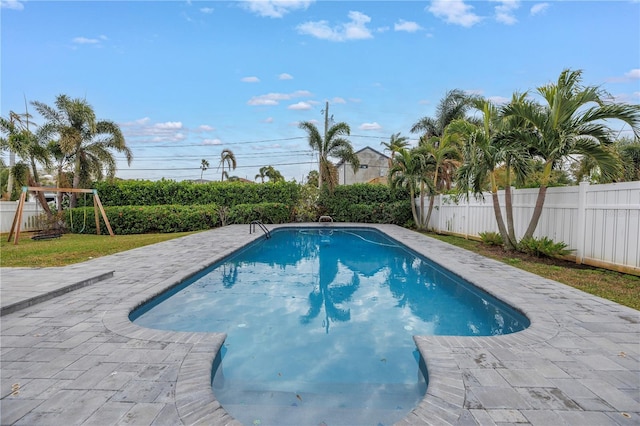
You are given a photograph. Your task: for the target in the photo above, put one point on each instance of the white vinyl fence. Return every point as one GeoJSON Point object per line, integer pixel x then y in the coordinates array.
{"type": "Point", "coordinates": [29, 214]}
{"type": "Point", "coordinates": [601, 223]}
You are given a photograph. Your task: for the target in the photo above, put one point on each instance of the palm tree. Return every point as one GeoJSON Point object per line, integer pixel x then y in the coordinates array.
{"type": "Point", "coordinates": [87, 142]}
{"type": "Point", "coordinates": [227, 157]}
{"type": "Point", "coordinates": [443, 159]}
{"type": "Point", "coordinates": [204, 165]}
{"type": "Point", "coordinates": [273, 175]}
{"type": "Point", "coordinates": [453, 106]}
{"type": "Point", "coordinates": [573, 121]}
{"type": "Point", "coordinates": [261, 174]}
{"type": "Point", "coordinates": [333, 144]}
{"type": "Point", "coordinates": [29, 147]}
{"type": "Point", "coordinates": [408, 171]}
{"type": "Point", "coordinates": [396, 142]}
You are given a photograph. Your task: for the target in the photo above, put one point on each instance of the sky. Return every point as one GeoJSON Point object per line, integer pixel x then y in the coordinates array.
{"type": "Point", "coordinates": [186, 79]}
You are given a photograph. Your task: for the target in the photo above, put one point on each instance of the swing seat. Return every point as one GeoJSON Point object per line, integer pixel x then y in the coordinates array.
{"type": "Point", "coordinates": [47, 234]}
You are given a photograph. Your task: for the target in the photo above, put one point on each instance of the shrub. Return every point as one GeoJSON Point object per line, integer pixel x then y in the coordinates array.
{"type": "Point", "coordinates": [491, 238]}
{"type": "Point", "coordinates": [543, 247]}
{"type": "Point", "coordinates": [148, 193]}
{"type": "Point", "coordinates": [264, 212]}
{"type": "Point", "coordinates": [145, 219]}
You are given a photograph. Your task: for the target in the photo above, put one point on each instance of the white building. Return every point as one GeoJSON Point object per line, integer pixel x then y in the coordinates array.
{"type": "Point", "coordinates": [373, 166]}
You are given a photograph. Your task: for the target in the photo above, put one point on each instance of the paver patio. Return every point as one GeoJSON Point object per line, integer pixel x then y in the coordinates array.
{"type": "Point", "coordinates": [69, 354]}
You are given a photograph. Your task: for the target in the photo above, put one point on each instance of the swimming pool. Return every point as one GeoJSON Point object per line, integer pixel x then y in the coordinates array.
{"type": "Point", "coordinates": [333, 342]}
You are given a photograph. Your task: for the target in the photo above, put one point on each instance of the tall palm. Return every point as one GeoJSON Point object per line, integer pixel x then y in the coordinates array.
{"type": "Point", "coordinates": [408, 171]}
{"type": "Point", "coordinates": [453, 106]}
{"type": "Point", "coordinates": [572, 121]}
{"type": "Point", "coordinates": [486, 149]}
{"type": "Point", "coordinates": [333, 144]}
{"type": "Point", "coordinates": [28, 146]}
{"type": "Point", "coordinates": [228, 158]}
{"type": "Point", "coordinates": [273, 175]}
{"type": "Point", "coordinates": [204, 165]}
{"type": "Point", "coordinates": [87, 142]}
{"type": "Point", "coordinates": [395, 144]}
{"type": "Point", "coordinates": [262, 173]}
{"type": "Point", "coordinates": [443, 158]}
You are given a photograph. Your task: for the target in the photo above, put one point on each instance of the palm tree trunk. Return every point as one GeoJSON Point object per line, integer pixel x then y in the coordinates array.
{"type": "Point", "coordinates": [40, 197]}
{"type": "Point", "coordinates": [421, 226]}
{"type": "Point", "coordinates": [431, 200]}
{"type": "Point", "coordinates": [498, 213]}
{"type": "Point", "coordinates": [542, 193]}
{"type": "Point", "coordinates": [508, 201]}
{"type": "Point", "coordinates": [500, 221]}
{"type": "Point", "coordinates": [537, 212]}
{"type": "Point", "coordinates": [413, 207]}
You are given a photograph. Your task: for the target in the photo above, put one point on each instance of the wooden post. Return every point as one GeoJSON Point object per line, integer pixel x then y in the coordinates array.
{"type": "Point", "coordinates": [17, 218]}
{"type": "Point", "coordinates": [95, 213]}
{"type": "Point", "coordinates": [104, 215]}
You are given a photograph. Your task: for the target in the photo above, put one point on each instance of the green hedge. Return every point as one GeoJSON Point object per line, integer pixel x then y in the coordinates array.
{"type": "Point", "coordinates": [264, 212]}
{"type": "Point", "coordinates": [366, 203]}
{"type": "Point", "coordinates": [145, 219]}
{"type": "Point", "coordinates": [135, 207]}
{"type": "Point", "coordinates": [149, 193]}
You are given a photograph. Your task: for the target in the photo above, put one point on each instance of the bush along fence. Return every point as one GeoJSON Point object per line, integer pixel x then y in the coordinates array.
{"type": "Point", "coordinates": [600, 224]}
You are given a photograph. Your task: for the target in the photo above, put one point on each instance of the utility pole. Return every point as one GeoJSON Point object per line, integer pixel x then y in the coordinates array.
{"type": "Point", "coordinates": [326, 119]}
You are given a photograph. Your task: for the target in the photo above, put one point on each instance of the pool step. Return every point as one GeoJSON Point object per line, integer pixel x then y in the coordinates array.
{"type": "Point", "coordinates": [314, 403]}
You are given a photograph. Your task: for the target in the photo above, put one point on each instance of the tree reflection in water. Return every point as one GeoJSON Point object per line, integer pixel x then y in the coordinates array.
{"type": "Point", "coordinates": [328, 293]}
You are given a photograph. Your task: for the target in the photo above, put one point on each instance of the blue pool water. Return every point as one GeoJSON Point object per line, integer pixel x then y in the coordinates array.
{"type": "Point", "coordinates": [320, 325]}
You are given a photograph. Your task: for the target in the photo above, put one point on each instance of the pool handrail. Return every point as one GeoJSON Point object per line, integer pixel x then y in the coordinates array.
{"type": "Point", "coordinates": [252, 228]}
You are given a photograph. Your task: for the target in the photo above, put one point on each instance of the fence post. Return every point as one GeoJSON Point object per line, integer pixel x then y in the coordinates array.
{"type": "Point", "coordinates": [582, 220]}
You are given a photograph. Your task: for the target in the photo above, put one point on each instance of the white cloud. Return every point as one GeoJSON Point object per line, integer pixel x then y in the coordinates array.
{"type": "Point", "coordinates": [211, 142]}
{"type": "Point", "coordinates": [268, 120]}
{"type": "Point", "coordinates": [370, 126]}
{"type": "Point", "coordinates": [143, 130]}
{"type": "Point", "coordinates": [168, 125]}
{"type": "Point", "coordinates": [408, 26]}
{"type": "Point", "coordinates": [285, 76]}
{"type": "Point", "coordinates": [338, 100]}
{"type": "Point", "coordinates": [205, 128]}
{"type": "Point", "coordinates": [356, 29]}
{"type": "Point", "coordinates": [504, 11]}
{"type": "Point", "coordinates": [300, 106]}
{"type": "Point", "coordinates": [251, 79]}
{"type": "Point", "coordinates": [634, 74]}
{"type": "Point", "coordinates": [274, 8]}
{"type": "Point", "coordinates": [538, 8]}
{"type": "Point", "coordinates": [499, 100]}
{"type": "Point", "coordinates": [85, 40]}
{"type": "Point", "coordinates": [11, 4]}
{"type": "Point", "coordinates": [454, 12]}
{"type": "Point", "coordinates": [275, 98]}
{"type": "Point", "coordinates": [206, 10]}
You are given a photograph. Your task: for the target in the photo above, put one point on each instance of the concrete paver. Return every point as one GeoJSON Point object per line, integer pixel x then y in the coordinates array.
{"type": "Point", "coordinates": [70, 355]}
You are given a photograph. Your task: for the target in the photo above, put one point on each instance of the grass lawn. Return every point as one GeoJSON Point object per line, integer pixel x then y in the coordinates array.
{"type": "Point", "coordinates": [74, 248]}
{"type": "Point", "coordinates": [71, 248]}
{"type": "Point", "coordinates": [621, 288]}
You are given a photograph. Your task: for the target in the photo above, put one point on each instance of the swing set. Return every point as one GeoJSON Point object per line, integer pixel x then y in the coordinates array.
{"type": "Point", "coordinates": [17, 219]}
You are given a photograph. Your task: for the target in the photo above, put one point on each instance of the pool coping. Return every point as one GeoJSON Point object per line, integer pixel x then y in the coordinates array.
{"type": "Point", "coordinates": [449, 398]}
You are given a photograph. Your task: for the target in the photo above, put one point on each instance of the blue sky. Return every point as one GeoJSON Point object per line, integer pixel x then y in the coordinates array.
{"type": "Point", "coordinates": [185, 80]}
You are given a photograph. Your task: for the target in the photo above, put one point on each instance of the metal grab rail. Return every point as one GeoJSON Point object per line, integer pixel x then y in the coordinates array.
{"type": "Point", "coordinates": [252, 228]}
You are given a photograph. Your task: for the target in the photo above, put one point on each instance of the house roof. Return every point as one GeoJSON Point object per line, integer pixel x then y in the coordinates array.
{"type": "Point", "coordinates": [364, 149]}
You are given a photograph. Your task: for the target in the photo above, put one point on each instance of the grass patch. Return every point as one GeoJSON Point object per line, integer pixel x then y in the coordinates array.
{"type": "Point", "coordinates": [71, 248]}
{"type": "Point", "coordinates": [618, 287]}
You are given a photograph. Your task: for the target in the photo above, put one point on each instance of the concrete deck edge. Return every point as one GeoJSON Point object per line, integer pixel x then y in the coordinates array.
{"type": "Point", "coordinates": [17, 306]}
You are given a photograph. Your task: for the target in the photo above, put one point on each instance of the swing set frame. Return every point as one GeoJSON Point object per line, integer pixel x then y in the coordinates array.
{"type": "Point", "coordinates": [17, 219]}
